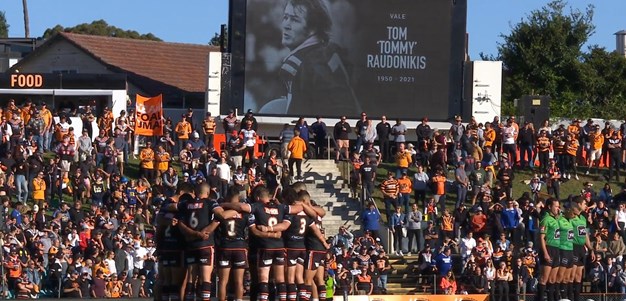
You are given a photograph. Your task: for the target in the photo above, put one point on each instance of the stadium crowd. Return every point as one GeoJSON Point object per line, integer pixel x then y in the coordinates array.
{"type": "Point", "coordinates": [78, 222]}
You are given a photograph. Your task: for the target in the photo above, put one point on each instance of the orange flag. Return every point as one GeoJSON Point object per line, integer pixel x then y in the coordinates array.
{"type": "Point", "coordinates": [149, 115]}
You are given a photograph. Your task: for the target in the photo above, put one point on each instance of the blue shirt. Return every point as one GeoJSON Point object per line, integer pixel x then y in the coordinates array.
{"type": "Point", "coordinates": [17, 215]}
{"type": "Point", "coordinates": [371, 219]}
{"type": "Point", "coordinates": [510, 218]}
{"type": "Point", "coordinates": [396, 220]}
{"type": "Point", "coordinates": [304, 131]}
{"type": "Point", "coordinates": [443, 263]}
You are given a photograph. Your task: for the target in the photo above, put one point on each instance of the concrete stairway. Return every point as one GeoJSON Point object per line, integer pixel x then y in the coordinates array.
{"type": "Point", "coordinates": [404, 279]}
{"type": "Point", "coordinates": [330, 190]}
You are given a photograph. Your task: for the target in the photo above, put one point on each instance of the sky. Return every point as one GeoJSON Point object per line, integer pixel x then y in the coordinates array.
{"type": "Point", "coordinates": [196, 21]}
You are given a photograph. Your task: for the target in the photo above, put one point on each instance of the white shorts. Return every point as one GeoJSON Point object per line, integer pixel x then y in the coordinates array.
{"type": "Point", "coordinates": [595, 154]}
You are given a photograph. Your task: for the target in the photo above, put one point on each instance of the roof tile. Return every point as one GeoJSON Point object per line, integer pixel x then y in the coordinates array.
{"type": "Point", "coordinates": [176, 64]}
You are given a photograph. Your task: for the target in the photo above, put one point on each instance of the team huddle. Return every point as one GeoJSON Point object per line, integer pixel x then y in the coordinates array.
{"type": "Point", "coordinates": [564, 236]}
{"type": "Point", "coordinates": [278, 237]}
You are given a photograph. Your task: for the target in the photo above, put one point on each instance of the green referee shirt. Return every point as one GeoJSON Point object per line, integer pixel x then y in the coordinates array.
{"type": "Point", "coordinates": [550, 227]}
{"type": "Point", "coordinates": [567, 234]}
{"type": "Point", "coordinates": [580, 230]}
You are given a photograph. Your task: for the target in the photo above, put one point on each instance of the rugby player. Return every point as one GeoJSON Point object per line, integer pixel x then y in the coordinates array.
{"type": "Point", "coordinates": [197, 214]}
{"type": "Point", "coordinates": [316, 247]}
{"type": "Point", "coordinates": [170, 245]}
{"type": "Point", "coordinates": [232, 252]}
{"type": "Point", "coordinates": [268, 216]}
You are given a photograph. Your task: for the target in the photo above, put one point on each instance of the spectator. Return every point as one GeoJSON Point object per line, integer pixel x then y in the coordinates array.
{"type": "Point", "coordinates": [390, 190]}
{"type": "Point", "coordinates": [399, 132]}
{"type": "Point", "coordinates": [439, 183]}
{"type": "Point", "coordinates": [431, 235]}
{"type": "Point", "coordinates": [344, 238]}
{"type": "Point", "coordinates": [71, 286]}
{"type": "Point", "coordinates": [341, 133]}
{"type": "Point", "coordinates": [444, 262]}
{"type": "Point", "coordinates": [383, 130]}
{"type": "Point", "coordinates": [318, 130]}
{"type": "Point", "coordinates": [420, 184]}
{"type": "Point", "coordinates": [503, 276]}
{"type": "Point", "coordinates": [297, 148]}
{"type": "Point", "coordinates": [414, 229]}
{"type": "Point", "coordinates": [448, 284]}
{"type": "Point", "coordinates": [405, 187]}
{"type": "Point", "coordinates": [371, 220]}
{"type": "Point", "coordinates": [364, 282]}
{"type": "Point", "coordinates": [398, 228]}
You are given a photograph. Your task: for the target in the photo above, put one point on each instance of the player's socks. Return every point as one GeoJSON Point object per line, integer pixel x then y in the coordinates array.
{"type": "Point", "coordinates": [292, 292]}
{"type": "Point", "coordinates": [562, 291]}
{"type": "Point", "coordinates": [264, 291]}
{"type": "Point", "coordinates": [282, 291]}
{"type": "Point", "coordinates": [550, 291]}
{"type": "Point", "coordinates": [165, 293]}
{"type": "Point", "coordinates": [577, 289]}
{"type": "Point", "coordinates": [305, 293]}
{"type": "Point", "coordinates": [174, 292]}
{"type": "Point", "coordinates": [321, 292]}
{"type": "Point", "coordinates": [189, 292]}
{"type": "Point", "coordinates": [570, 291]}
{"type": "Point", "coordinates": [205, 291]}
{"type": "Point", "coordinates": [541, 292]}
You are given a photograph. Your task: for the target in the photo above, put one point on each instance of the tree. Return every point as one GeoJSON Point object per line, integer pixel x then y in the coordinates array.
{"type": "Point", "coordinates": [216, 40]}
{"type": "Point", "coordinates": [4, 26]}
{"type": "Point", "coordinates": [542, 55]}
{"type": "Point", "coordinates": [100, 28]}
{"type": "Point", "coordinates": [603, 83]}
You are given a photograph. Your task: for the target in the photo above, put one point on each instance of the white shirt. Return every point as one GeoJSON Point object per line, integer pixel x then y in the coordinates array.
{"type": "Point", "coordinates": [111, 265]}
{"type": "Point", "coordinates": [620, 216]}
{"type": "Point", "coordinates": [223, 170]}
{"type": "Point", "coordinates": [249, 137]}
{"type": "Point", "coordinates": [509, 135]}
{"type": "Point", "coordinates": [74, 239]}
{"type": "Point", "coordinates": [467, 245]}
{"type": "Point", "coordinates": [140, 253]}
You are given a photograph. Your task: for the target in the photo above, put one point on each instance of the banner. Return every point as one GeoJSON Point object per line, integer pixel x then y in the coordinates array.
{"type": "Point", "coordinates": [419, 298]}
{"type": "Point", "coordinates": [149, 116]}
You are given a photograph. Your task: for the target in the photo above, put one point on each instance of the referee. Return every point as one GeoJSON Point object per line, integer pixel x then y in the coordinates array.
{"type": "Point", "coordinates": [581, 240]}
{"type": "Point", "coordinates": [550, 241]}
{"type": "Point", "coordinates": [566, 247]}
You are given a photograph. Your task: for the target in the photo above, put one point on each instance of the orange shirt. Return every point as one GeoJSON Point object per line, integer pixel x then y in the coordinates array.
{"type": "Point", "coordinates": [572, 147]}
{"type": "Point", "coordinates": [183, 129]}
{"type": "Point", "coordinates": [47, 117]}
{"type": "Point", "coordinates": [297, 147]}
{"type": "Point", "coordinates": [573, 129]}
{"type": "Point", "coordinates": [440, 184]}
{"type": "Point", "coordinates": [39, 189]}
{"type": "Point", "coordinates": [490, 137]}
{"type": "Point", "coordinates": [25, 114]}
{"type": "Point", "coordinates": [447, 223]}
{"type": "Point", "coordinates": [390, 187]}
{"type": "Point", "coordinates": [403, 159]}
{"type": "Point", "coordinates": [163, 161]}
{"type": "Point", "coordinates": [406, 185]}
{"type": "Point", "coordinates": [147, 158]}
{"type": "Point", "coordinates": [597, 140]}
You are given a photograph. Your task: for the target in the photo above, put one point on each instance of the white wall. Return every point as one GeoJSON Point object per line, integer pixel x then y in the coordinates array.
{"type": "Point", "coordinates": [486, 90]}
{"type": "Point", "coordinates": [214, 84]}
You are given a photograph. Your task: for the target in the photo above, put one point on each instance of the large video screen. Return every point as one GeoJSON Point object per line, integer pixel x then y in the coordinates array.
{"type": "Point", "coordinates": [342, 57]}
